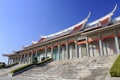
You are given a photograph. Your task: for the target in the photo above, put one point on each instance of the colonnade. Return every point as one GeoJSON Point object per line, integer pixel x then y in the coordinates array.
{"type": "Point", "coordinates": [69, 50]}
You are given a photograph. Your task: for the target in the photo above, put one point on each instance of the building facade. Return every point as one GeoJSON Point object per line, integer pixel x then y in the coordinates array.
{"type": "Point", "coordinates": [98, 38]}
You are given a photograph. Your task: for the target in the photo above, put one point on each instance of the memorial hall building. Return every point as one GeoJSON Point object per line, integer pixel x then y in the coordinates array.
{"type": "Point", "coordinates": [98, 38]}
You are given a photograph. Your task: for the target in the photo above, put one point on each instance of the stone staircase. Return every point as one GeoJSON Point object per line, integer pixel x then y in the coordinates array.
{"type": "Point", "coordinates": [6, 71]}
{"type": "Point", "coordinates": [87, 68]}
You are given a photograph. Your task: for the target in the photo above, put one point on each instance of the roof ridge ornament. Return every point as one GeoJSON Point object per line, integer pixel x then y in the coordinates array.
{"type": "Point", "coordinates": [34, 42]}
{"type": "Point", "coordinates": [109, 14]}
{"type": "Point", "coordinates": [106, 20]}
{"type": "Point", "coordinates": [69, 29]}
{"type": "Point", "coordinates": [89, 14]}
{"type": "Point", "coordinates": [114, 9]}
{"type": "Point", "coordinates": [86, 19]}
{"type": "Point", "coordinates": [102, 18]}
{"type": "Point", "coordinates": [80, 25]}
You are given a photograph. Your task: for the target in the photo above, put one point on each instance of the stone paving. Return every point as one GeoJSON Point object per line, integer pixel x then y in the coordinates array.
{"type": "Point", "coordinates": [5, 71]}
{"type": "Point", "coordinates": [88, 68]}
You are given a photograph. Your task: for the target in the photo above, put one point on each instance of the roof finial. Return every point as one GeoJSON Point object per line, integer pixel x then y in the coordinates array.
{"type": "Point", "coordinates": [13, 51]}
{"type": "Point", "coordinates": [114, 9]}
{"type": "Point", "coordinates": [34, 42]}
{"type": "Point", "coordinates": [89, 14]}
{"type": "Point", "coordinates": [40, 36]}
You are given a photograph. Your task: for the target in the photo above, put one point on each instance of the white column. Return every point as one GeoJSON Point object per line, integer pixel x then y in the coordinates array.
{"type": "Point", "coordinates": [63, 52]}
{"type": "Point", "coordinates": [14, 60]}
{"type": "Point", "coordinates": [24, 58]}
{"type": "Point", "coordinates": [116, 42]}
{"type": "Point", "coordinates": [71, 56]}
{"type": "Point", "coordinates": [36, 53]}
{"type": "Point", "coordinates": [8, 60]}
{"type": "Point", "coordinates": [93, 51]}
{"type": "Point", "coordinates": [87, 46]}
{"type": "Point", "coordinates": [76, 47]}
{"type": "Point", "coordinates": [105, 47]}
{"type": "Point", "coordinates": [59, 50]}
{"type": "Point", "coordinates": [52, 50]}
{"type": "Point", "coordinates": [31, 57]}
{"type": "Point", "coordinates": [45, 52]}
{"type": "Point", "coordinates": [27, 57]}
{"type": "Point", "coordinates": [20, 59]}
{"type": "Point", "coordinates": [67, 51]}
{"type": "Point", "coordinates": [80, 51]}
{"type": "Point", "coordinates": [101, 46]}
{"type": "Point", "coordinates": [11, 60]}
{"type": "Point", "coordinates": [39, 57]}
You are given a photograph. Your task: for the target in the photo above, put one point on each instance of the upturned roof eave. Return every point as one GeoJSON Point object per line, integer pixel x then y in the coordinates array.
{"type": "Point", "coordinates": [100, 29]}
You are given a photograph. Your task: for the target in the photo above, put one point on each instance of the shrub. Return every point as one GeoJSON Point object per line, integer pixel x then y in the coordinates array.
{"type": "Point", "coordinates": [1, 66]}
{"type": "Point", "coordinates": [43, 58]}
{"type": "Point", "coordinates": [43, 61]}
{"type": "Point", "coordinates": [28, 65]}
{"type": "Point", "coordinates": [4, 65]}
{"type": "Point", "coordinates": [35, 60]}
{"type": "Point", "coordinates": [115, 69]}
{"type": "Point", "coordinates": [21, 68]}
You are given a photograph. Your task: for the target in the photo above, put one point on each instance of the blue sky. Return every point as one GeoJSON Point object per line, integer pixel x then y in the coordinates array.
{"type": "Point", "coordinates": [23, 21]}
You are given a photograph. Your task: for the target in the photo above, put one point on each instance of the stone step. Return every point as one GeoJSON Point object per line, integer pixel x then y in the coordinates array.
{"type": "Point", "coordinates": [6, 71]}
{"type": "Point", "coordinates": [88, 68]}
